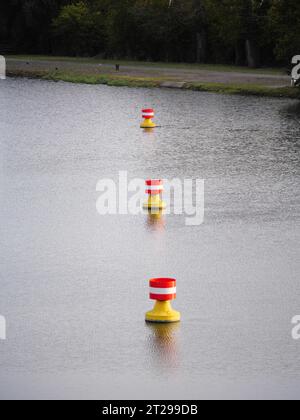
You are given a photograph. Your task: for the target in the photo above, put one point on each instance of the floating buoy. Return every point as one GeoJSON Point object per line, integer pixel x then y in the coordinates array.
{"type": "Point", "coordinates": [148, 114]}
{"type": "Point", "coordinates": [154, 188]}
{"type": "Point", "coordinates": [163, 291]}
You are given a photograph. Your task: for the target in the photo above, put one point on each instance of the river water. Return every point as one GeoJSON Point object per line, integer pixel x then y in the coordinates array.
{"type": "Point", "coordinates": [74, 284]}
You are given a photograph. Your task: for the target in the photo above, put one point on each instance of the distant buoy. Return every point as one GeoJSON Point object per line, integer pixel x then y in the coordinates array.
{"type": "Point", "coordinates": [148, 114]}
{"type": "Point", "coordinates": [154, 189]}
{"type": "Point", "coordinates": [163, 291]}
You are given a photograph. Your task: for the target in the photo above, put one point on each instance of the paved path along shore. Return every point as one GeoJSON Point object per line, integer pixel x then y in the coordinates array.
{"type": "Point", "coordinates": [174, 77]}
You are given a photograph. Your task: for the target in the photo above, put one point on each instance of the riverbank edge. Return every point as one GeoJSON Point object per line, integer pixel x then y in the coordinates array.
{"type": "Point", "coordinates": [148, 82]}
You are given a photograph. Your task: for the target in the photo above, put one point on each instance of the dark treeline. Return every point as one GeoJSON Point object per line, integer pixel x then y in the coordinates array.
{"type": "Point", "coordinates": [242, 32]}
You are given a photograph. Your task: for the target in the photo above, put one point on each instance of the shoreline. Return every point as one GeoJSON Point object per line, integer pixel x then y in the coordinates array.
{"type": "Point", "coordinates": [145, 75]}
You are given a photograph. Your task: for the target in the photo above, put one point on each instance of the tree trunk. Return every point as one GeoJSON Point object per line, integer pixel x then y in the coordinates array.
{"type": "Point", "coordinates": [252, 53]}
{"type": "Point", "coordinates": [240, 57]}
{"type": "Point", "coordinates": [201, 47]}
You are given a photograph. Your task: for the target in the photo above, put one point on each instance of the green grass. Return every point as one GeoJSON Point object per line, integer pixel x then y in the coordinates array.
{"type": "Point", "coordinates": [188, 66]}
{"type": "Point", "coordinates": [147, 82]}
{"type": "Point", "coordinates": [242, 89]}
{"type": "Point", "coordinates": [121, 81]}
{"type": "Point", "coordinates": [254, 90]}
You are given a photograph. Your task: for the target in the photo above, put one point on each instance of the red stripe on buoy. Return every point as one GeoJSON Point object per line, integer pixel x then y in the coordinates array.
{"type": "Point", "coordinates": [154, 182]}
{"type": "Point", "coordinates": [153, 192]}
{"type": "Point", "coordinates": [162, 298]}
{"type": "Point", "coordinates": [162, 283]}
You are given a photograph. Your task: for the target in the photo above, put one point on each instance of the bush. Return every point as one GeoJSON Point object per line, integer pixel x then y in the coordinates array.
{"type": "Point", "coordinates": [79, 31]}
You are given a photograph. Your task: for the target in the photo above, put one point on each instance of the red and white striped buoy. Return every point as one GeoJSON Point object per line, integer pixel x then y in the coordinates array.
{"type": "Point", "coordinates": [163, 291]}
{"type": "Point", "coordinates": [147, 115]}
{"type": "Point", "coordinates": [154, 186]}
{"type": "Point", "coordinates": [154, 189]}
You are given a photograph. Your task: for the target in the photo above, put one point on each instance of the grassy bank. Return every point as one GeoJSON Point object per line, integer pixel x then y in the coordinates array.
{"type": "Point", "coordinates": [149, 82]}
{"type": "Point", "coordinates": [246, 89]}
{"type": "Point", "coordinates": [104, 79]}
{"type": "Point", "coordinates": [188, 66]}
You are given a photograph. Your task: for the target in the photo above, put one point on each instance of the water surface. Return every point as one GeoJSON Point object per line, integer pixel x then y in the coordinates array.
{"type": "Point", "coordinates": [74, 284]}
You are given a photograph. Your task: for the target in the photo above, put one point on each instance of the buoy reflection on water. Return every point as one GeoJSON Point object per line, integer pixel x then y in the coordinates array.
{"type": "Point", "coordinates": [155, 220]}
{"type": "Point", "coordinates": [163, 344]}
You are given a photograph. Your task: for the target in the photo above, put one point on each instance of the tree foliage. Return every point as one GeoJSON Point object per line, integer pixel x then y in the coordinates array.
{"type": "Point", "coordinates": [284, 18]}
{"type": "Point", "coordinates": [244, 32]}
{"type": "Point", "coordinates": [78, 30]}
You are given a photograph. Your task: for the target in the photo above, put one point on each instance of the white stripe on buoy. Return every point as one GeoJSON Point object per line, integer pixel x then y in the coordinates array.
{"type": "Point", "coordinates": [154, 187]}
{"type": "Point", "coordinates": [169, 291]}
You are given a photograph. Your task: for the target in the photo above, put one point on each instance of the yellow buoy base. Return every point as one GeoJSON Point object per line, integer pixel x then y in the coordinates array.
{"type": "Point", "coordinates": [154, 214]}
{"type": "Point", "coordinates": [155, 203]}
{"type": "Point", "coordinates": [148, 123]}
{"type": "Point", "coordinates": [163, 313]}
